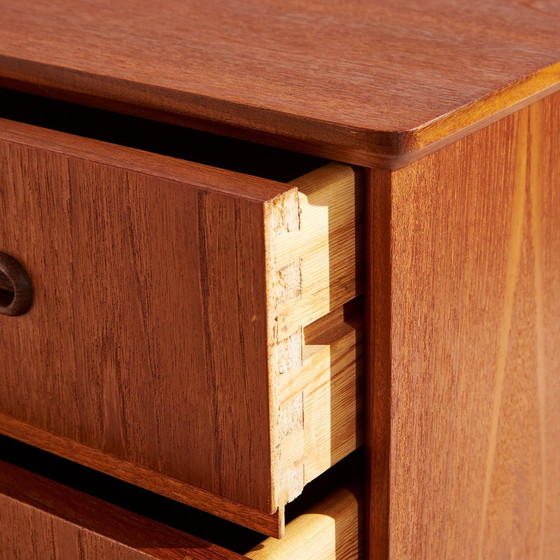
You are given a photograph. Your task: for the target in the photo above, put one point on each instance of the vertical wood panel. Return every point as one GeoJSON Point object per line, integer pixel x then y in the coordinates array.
{"type": "Point", "coordinates": [468, 451]}
{"type": "Point", "coordinates": [378, 342]}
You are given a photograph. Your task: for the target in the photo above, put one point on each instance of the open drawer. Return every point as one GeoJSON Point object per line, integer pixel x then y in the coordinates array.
{"type": "Point", "coordinates": [193, 330]}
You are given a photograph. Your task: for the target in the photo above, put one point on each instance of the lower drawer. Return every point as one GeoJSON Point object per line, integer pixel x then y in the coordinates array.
{"type": "Point", "coordinates": [41, 519]}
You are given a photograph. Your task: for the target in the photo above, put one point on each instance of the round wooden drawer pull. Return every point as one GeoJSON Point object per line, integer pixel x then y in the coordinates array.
{"type": "Point", "coordinates": [16, 290]}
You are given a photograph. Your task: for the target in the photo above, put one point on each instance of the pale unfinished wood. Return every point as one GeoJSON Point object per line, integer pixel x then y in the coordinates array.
{"type": "Point", "coordinates": [465, 314]}
{"type": "Point", "coordinates": [315, 264]}
{"type": "Point", "coordinates": [217, 275]}
{"type": "Point", "coordinates": [334, 529]}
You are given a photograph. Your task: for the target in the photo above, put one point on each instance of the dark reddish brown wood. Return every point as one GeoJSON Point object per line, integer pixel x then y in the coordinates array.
{"type": "Point", "coordinates": [145, 353]}
{"type": "Point", "coordinates": [378, 358]}
{"type": "Point", "coordinates": [465, 368]}
{"type": "Point", "coordinates": [373, 83]}
{"type": "Point", "coordinates": [42, 519]}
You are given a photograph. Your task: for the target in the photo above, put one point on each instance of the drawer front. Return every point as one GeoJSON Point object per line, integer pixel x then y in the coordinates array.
{"type": "Point", "coordinates": [166, 343]}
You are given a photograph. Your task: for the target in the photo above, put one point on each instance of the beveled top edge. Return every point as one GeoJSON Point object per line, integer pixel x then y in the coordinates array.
{"type": "Point", "coordinates": [390, 149]}
{"type": "Point", "coordinates": [371, 82]}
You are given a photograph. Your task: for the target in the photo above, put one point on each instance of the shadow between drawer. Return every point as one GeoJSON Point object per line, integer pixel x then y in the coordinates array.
{"type": "Point", "coordinates": [42, 518]}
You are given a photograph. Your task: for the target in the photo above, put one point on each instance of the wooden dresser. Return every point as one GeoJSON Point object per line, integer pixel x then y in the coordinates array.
{"type": "Point", "coordinates": [280, 280]}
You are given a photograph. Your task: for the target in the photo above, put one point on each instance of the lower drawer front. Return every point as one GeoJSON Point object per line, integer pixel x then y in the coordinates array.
{"type": "Point", "coordinates": [44, 520]}
{"type": "Point", "coordinates": [192, 329]}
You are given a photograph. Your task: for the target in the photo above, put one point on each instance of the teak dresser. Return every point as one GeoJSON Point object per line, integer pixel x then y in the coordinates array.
{"type": "Point", "coordinates": [280, 280]}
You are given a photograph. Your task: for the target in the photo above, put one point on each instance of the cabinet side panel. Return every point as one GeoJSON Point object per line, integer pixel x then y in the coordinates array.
{"type": "Point", "coordinates": [147, 337]}
{"type": "Point", "coordinates": [474, 363]}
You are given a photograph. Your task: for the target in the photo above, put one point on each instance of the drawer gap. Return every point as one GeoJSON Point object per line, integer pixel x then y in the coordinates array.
{"type": "Point", "coordinates": [168, 512]}
{"type": "Point", "coordinates": [157, 137]}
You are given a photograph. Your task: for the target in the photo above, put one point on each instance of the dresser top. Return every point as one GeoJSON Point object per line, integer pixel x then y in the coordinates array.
{"type": "Point", "coordinates": [372, 82]}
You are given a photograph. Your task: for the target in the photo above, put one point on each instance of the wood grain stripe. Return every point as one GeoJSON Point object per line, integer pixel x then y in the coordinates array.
{"type": "Point", "coordinates": [512, 273]}
{"type": "Point", "coordinates": [536, 164]}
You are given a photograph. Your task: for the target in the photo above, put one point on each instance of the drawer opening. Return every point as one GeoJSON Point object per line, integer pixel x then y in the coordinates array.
{"type": "Point", "coordinates": [336, 496]}
{"type": "Point", "coordinates": [153, 136]}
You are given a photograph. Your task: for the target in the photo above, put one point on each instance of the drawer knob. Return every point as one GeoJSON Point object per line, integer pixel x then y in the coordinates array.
{"type": "Point", "coordinates": [16, 290]}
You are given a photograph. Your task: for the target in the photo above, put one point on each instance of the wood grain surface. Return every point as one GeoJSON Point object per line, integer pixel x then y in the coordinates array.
{"type": "Point", "coordinates": [465, 308]}
{"type": "Point", "coordinates": [316, 275]}
{"type": "Point", "coordinates": [43, 520]}
{"type": "Point", "coordinates": [372, 83]}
